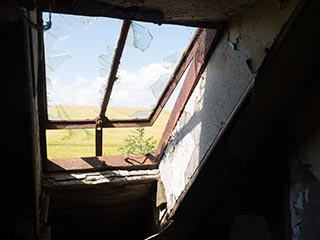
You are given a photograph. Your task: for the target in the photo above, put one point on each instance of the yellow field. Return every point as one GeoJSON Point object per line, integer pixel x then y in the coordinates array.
{"type": "Point", "coordinates": [81, 142]}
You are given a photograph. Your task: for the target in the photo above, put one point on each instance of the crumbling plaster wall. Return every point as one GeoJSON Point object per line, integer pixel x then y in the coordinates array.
{"type": "Point", "coordinates": [230, 73]}
{"type": "Point", "coordinates": [304, 164]}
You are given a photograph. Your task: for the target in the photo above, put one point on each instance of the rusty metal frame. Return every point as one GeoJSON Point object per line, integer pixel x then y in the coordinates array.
{"type": "Point", "coordinates": [112, 78]}
{"type": "Point", "coordinates": [207, 43]}
{"type": "Point", "coordinates": [195, 57]}
{"type": "Point", "coordinates": [115, 65]}
{"type": "Point", "coordinates": [182, 65]}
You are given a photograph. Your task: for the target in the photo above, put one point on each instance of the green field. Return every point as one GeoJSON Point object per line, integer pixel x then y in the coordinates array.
{"type": "Point", "coordinates": [81, 142]}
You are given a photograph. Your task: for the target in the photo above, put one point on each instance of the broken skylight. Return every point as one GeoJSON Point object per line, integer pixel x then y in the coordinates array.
{"type": "Point", "coordinates": [79, 52]}
{"type": "Point", "coordinates": [149, 58]}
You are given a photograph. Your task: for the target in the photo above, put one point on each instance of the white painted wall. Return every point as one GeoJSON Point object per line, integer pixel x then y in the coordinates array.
{"type": "Point", "coordinates": [226, 78]}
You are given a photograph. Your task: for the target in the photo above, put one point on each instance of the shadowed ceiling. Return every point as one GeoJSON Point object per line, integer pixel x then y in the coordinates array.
{"type": "Point", "coordinates": [204, 13]}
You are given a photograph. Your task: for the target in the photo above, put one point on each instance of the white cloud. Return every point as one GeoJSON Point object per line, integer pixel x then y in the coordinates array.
{"type": "Point", "coordinates": [80, 92]}
{"type": "Point", "coordinates": [132, 89]}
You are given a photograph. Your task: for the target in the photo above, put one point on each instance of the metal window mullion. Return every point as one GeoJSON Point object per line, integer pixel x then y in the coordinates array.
{"type": "Point", "coordinates": [99, 138]}
{"type": "Point", "coordinates": [112, 78]}
{"type": "Point", "coordinates": [207, 42]}
{"type": "Point", "coordinates": [114, 66]}
{"type": "Point", "coordinates": [176, 75]}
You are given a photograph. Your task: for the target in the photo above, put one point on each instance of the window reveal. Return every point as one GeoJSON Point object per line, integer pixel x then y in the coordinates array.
{"type": "Point", "coordinates": [191, 64]}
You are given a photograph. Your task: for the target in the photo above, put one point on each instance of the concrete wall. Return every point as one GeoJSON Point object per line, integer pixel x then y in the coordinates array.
{"type": "Point", "coordinates": [230, 72]}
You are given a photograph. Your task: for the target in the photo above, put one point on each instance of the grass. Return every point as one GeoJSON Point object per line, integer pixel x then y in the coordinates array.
{"type": "Point", "coordinates": [81, 142]}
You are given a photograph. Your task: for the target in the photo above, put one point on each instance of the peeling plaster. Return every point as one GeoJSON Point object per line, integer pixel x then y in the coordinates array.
{"type": "Point", "coordinates": [298, 194]}
{"type": "Point", "coordinates": [176, 166]}
{"type": "Point", "coordinates": [302, 181]}
{"type": "Point", "coordinates": [305, 167]}
{"type": "Point", "coordinates": [311, 152]}
{"type": "Point", "coordinates": [229, 72]}
{"type": "Point", "coordinates": [62, 179]}
{"type": "Point", "coordinates": [266, 19]}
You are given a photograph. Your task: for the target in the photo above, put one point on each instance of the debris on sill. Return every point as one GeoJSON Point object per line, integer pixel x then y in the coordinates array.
{"type": "Point", "coordinates": [92, 178]}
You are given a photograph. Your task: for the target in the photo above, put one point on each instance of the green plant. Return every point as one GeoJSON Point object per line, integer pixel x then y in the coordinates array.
{"type": "Point", "coordinates": [136, 143]}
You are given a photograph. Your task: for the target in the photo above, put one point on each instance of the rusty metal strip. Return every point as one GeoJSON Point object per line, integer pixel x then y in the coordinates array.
{"type": "Point", "coordinates": [177, 74]}
{"type": "Point", "coordinates": [99, 138]}
{"type": "Point", "coordinates": [80, 124]}
{"type": "Point", "coordinates": [127, 123]}
{"type": "Point", "coordinates": [114, 67]}
{"type": "Point", "coordinates": [67, 124]}
{"type": "Point", "coordinates": [207, 42]}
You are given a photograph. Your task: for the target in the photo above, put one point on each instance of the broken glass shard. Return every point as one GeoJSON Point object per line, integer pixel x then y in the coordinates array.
{"type": "Point", "coordinates": [171, 60]}
{"type": "Point", "coordinates": [141, 36]}
{"type": "Point", "coordinates": [50, 39]}
{"type": "Point", "coordinates": [145, 74]}
{"type": "Point", "coordinates": [49, 84]}
{"type": "Point", "coordinates": [55, 59]}
{"type": "Point", "coordinates": [110, 50]}
{"type": "Point", "coordinates": [103, 72]}
{"type": "Point", "coordinates": [158, 86]}
{"type": "Point", "coordinates": [140, 114]}
{"type": "Point", "coordinates": [105, 63]}
{"type": "Point", "coordinates": [79, 22]}
{"type": "Point", "coordinates": [57, 32]}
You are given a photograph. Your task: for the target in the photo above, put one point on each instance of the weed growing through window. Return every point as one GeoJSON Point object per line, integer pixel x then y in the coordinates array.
{"type": "Point", "coordinates": [137, 143]}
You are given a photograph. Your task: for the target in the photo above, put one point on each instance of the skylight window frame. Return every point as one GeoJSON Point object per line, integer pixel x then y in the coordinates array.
{"type": "Point", "coordinates": [175, 77]}
{"type": "Point", "coordinates": [195, 55]}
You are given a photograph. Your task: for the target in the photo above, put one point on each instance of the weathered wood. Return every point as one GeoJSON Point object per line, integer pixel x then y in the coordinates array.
{"type": "Point", "coordinates": [101, 177]}
{"type": "Point", "coordinates": [128, 162]}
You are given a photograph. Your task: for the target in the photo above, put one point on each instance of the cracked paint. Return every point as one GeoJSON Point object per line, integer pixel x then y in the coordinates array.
{"type": "Point", "coordinates": [218, 92]}
{"type": "Point", "coordinates": [298, 195]}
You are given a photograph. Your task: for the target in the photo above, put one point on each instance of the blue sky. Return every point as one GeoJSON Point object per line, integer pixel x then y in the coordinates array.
{"type": "Point", "coordinates": [74, 46]}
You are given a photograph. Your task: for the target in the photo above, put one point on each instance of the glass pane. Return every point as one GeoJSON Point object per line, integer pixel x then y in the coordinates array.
{"type": "Point", "coordinates": [150, 56]}
{"type": "Point", "coordinates": [70, 143]}
{"type": "Point", "coordinates": [78, 54]}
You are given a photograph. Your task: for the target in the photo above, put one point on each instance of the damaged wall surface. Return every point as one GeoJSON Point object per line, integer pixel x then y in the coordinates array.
{"type": "Point", "coordinates": [230, 73]}
{"type": "Point", "coordinates": [106, 203]}
{"type": "Point", "coordinates": [303, 155]}
{"type": "Point", "coordinates": [265, 169]}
